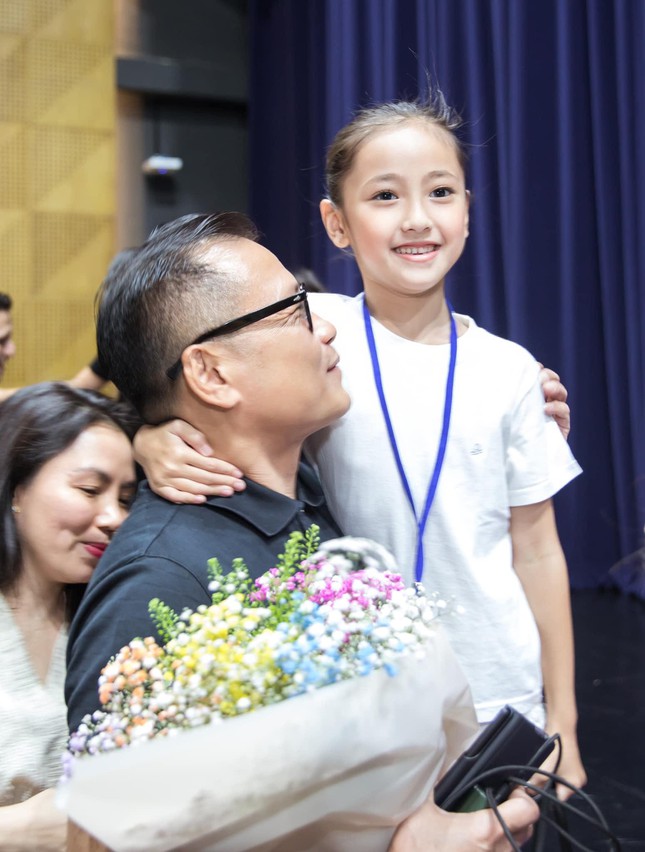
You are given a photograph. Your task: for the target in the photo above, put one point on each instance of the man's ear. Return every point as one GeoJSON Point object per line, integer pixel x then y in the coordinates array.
{"type": "Point", "coordinates": [207, 376]}
{"type": "Point", "coordinates": [334, 223]}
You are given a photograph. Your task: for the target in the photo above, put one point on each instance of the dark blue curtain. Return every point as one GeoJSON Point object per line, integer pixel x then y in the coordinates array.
{"type": "Point", "coordinates": [552, 93]}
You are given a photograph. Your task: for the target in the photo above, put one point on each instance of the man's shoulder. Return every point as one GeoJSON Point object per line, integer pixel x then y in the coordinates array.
{"type": "Point", "coordinates": [253, 524]}
{"type": "Point", "coordinates": [157, 533]}
{"type": "Point", "coordinates": [150, 519]}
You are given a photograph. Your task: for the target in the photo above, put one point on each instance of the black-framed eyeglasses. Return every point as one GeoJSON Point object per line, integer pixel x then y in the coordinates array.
{"type": "Point", "coordinates": [248, 319]}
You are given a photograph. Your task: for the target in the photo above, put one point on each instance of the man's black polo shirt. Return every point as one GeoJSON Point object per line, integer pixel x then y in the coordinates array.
{"type": "Point", "coordinates": [162, 551]}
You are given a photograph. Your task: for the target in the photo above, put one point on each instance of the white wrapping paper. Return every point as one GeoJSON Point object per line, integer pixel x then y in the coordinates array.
{"type": "Point", "coordinates": [336, 769]}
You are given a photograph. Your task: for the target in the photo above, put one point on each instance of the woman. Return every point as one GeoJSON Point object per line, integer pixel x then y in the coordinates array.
{"type": "Point", "coordinates": [67, 479]}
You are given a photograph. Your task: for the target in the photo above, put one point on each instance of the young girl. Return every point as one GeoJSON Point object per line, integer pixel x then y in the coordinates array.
{"type": "Point", "coordinates": [446, 456]}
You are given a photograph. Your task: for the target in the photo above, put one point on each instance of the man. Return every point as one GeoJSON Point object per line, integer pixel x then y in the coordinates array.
{"type": "Point", "coordinates": [256, 389]}
{"type": "Point", "coordinates": [204, 324]}
{"type": "Point", "coordinates": [7, 346]}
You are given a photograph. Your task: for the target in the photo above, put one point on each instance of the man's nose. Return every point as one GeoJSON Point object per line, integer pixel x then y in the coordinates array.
{"type": "Point", "coordinates": [323, 329]}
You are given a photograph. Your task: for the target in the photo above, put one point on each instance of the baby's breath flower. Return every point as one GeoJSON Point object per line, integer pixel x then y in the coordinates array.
{"type": "Point", "coordinates": [316, 618]}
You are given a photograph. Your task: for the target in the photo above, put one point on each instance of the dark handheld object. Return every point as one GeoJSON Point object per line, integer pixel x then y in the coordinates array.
{"type": "Point", "coordinates": [510, 739]}
{"type": "Point", "coordinates": [508, 753]}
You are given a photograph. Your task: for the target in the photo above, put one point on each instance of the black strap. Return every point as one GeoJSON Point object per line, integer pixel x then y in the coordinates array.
{"type": "Point", "coordinates": [554, 813]}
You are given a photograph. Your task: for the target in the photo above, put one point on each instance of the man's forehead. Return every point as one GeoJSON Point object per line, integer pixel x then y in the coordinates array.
{"type": "Point", "coordinates": [239, 250]}
{"type": "Point", "coordinates": [252, 264]}
{"type": "Point", "coordinates": [228, 256]}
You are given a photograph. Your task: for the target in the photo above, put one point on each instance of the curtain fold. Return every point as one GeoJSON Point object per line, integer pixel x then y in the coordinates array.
{"type": "Point", "coordinates": [551, 93]}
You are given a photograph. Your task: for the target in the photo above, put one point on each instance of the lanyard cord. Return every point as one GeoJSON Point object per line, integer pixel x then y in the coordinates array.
{"type": "Point", "coordinates": [443, 440]}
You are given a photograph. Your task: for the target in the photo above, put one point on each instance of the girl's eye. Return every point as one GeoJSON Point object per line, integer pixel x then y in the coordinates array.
{"type": "Point", "coordinates": [91, 490]}
{"type": "Point", "coordinates": [384, 195]}
{"type": "Point", "coordinates": [441, 192]}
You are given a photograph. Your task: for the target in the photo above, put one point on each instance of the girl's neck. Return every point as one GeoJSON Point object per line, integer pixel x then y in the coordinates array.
{"type": "Point", "coordinates": [423, 318]}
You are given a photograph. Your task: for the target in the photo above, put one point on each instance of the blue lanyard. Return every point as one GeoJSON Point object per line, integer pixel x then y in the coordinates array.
{"type": "Point", "coordinates": [443, 440]}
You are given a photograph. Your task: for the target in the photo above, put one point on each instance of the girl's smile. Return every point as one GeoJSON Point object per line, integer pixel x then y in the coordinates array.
{"type": "Point", "coordinates": [417, 251]}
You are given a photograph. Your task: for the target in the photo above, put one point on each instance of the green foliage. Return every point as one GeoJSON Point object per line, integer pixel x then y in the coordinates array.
{"type": "Point", "coordinates": [165, 619]}
{"type": "Point", "coordinates": [299, 546]}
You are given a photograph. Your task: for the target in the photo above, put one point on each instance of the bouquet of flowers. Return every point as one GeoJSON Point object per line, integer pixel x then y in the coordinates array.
{"type": "Point", "coordinates": [362, 704]}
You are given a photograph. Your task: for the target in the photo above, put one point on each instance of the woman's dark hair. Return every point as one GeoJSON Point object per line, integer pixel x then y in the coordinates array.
{"type": "Point", "coordinates": [38, 423]}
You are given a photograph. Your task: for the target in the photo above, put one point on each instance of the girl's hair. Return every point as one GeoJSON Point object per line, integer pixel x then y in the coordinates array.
{"type": "Point", "coordinates": [38, 423]}
{"type": "Point", "coordinates": [345, 145]}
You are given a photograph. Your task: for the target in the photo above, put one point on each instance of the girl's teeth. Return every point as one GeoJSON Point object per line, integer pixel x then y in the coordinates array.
{"type": "Point", "coordinates": [415, 249]}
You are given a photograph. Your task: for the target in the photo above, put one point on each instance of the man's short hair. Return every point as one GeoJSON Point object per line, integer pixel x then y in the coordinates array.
{"type": "Point", "coordinates": [5, 302]}
{"type": "Point", "coordinates": [158, 297]}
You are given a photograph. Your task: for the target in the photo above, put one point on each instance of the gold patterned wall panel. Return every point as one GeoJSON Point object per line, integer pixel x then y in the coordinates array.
{"type": "Point", "coordinates": [57, 177]}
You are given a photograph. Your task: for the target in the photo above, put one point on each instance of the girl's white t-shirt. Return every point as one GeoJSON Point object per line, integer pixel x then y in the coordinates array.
{"type": "Point", "coordinates": [502, 451]}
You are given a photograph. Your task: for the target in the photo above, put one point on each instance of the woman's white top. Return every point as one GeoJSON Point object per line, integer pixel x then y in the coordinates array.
{"type": "Point", "coordinates": [33, 717]}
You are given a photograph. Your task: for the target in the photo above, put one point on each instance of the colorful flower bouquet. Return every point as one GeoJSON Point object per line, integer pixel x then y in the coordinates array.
{"type": "Point", "coordinates": [376, 707]}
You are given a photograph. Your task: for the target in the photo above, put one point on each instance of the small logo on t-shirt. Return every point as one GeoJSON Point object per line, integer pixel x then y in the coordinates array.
{"type": "Point", "coordinates": [476, 450]}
